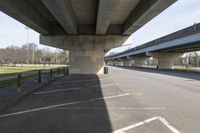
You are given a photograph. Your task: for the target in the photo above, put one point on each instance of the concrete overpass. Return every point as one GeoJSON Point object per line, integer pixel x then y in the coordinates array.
{"type": "Point", "coordinates": [88, 28]}
{"type": "Point", "coordinates": [166, 49]}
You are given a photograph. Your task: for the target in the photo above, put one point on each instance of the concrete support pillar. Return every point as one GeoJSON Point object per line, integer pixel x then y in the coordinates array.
{"type": "Point", "coordinates": [165, 63]}
{"type": "Point", "coordinates": [115, 62]}
{"type": "Point", "coordinates": [166, 60]}
{"type": "Point", "coordinates": [120, 62]}
{"type": "Point", "coordinates": [110, 62]}
{"type": "Point", "coordinates": [127, 62]}
{"type": "Point", "coordinates": [139, 61]}
{"type": "Point", "coordinates": [86, 61]}
{"type": "Point", "coordinates": [86, 52]}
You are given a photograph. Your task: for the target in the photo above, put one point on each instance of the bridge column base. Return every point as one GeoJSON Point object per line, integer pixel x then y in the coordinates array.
{"type": "Point", "coordinates": [86, 62]}
{"type": "Point", "coordinates": [166, 60]}
{"type": "Point", "coordinates": [86, 51]}
{"type": "Point", "coordinates": [127, 62]}
{"type": "Point", "coordinates": [120, 63]}
{"type": "Point", "coordinates": [139, 61]}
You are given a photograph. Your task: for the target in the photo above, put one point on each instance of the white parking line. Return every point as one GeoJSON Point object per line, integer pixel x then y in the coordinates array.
{"type": "Point", "coordinates": [64, 104]}
{"type": "Point", "coordinates": [103, 85]}
{"type": "Point", "coordinates": [69, 89]}
{"type": "Point", "coordinates": [138, 94]}
{"type": "Point", "coordinates": [166, 123]}
{"type": "Point", "coordinates": [77, 81]}
{"type": "Point", "coordinates": [163, 120]}
{"type": "Point", "coordinates": [108, 108]}
{"type": "Point", "coordinates": [60, 90]}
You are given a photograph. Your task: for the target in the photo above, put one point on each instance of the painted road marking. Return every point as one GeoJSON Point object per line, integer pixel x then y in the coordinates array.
{"type": "Point", "coordinates": [77, 81]}
{"type": "Point", "coordinates": [163, 120]}
{"type": "Point", "coordinates": [60, 90]}
{"type": "Point", "coordinates": [64, 104]}
{"type": "Point", "coordinates": [109, 108]}
{"type": "Point", "coordinates": [138, 94]}
{"type": "Point", "coordinates": [69, 89]}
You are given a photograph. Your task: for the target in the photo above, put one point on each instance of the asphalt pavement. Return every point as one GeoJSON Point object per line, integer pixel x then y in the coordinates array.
{"type": "Point", "coordinates": [124, 101]}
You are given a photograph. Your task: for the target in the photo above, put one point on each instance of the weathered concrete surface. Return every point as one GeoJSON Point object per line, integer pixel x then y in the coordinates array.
{"type": "Point", "coordinates": [86, 52]}
{"type": "Point", "coordinates": [63, 12]}
{"type": "Point", "coordinates": [62, 17]}
{"type": "Point", "coordinates": [106, 11]}
{"type": "Point", "coordinates": [126, 62]}
{"type": "Point", "coordinates": [165, 60]}
{"type": "Point", "coordinates": [84, 42]}
{"type": "Point", "coordinates": [139, 61]}
{"type": "Point", "coordinates": [143, 13]}
{"type": "Point", "coordinates": [184, 40]}
{"type": "Point", "coordinates": [86, 62]}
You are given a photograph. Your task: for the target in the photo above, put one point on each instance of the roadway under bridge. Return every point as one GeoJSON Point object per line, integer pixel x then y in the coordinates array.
{"type": "Point", "coordinates": [124, 101]}
{"type": "Point", "coordinates": [87, 28]}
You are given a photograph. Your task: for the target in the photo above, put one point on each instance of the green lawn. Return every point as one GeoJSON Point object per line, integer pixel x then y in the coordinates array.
{"type": "Point", "coordinates": [7, 71]}
{"type": "Point", "coordinates": [12, 70]}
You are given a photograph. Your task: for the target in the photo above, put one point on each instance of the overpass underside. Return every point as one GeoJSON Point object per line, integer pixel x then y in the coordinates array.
{"type": "Point", "coordinates": [164, 52]}
{"type": "Point", "coordinates": [153, 59]}
{"type": "Point", "coordinates": [87, 28]}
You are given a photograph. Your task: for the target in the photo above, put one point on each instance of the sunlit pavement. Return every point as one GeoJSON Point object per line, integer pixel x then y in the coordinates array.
{"type": "Point", "coordinates": [124, 101]}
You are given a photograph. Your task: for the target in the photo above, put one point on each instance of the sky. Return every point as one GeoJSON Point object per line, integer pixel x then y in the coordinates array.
{"type": "Point", "coordinates": [182, 14]}
{"type": "Point", "coordinates": [13, 32]}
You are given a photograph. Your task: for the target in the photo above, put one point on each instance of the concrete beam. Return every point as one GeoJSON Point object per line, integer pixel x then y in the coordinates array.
{"type": "Point", "coordinates": [106, 11]}
{"type": "Point", "coordinates": [75, 42]}
{"type": "Point", "coordinates": [23, 12]}
{"type": "Point", "coordinates": [63, 12]}
{"type": "Point", "coordinates": [90, 29]}
{"type": "Point", "coordinates": [143, 13]}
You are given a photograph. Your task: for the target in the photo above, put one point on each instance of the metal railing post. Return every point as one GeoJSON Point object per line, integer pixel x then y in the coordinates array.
{"type": "Point", "coordinates": [39, 76]}
{"type": "Point", "coordinates": [67, 70]}
{"type": "Point", "coordinates": [51, 73]}
{"type": "Point", "coordinates": [19, 82]}
{"type": "Point", "coordinates": [63, 70]}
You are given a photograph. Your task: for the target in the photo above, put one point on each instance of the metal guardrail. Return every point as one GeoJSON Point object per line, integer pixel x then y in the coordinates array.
{"type": "Point", "coordinates": [40, 73]}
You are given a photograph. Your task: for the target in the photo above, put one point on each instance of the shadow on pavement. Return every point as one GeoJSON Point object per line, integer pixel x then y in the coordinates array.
{"type": "Point", "coordinates": [69, 111]}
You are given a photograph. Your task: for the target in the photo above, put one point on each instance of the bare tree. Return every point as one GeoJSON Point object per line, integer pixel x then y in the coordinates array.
{"type": "Point", "coordinates": [30, 53]}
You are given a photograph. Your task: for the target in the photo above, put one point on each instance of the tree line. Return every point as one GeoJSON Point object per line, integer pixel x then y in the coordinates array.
{"type": "Point", "coordinates": [32, 54]}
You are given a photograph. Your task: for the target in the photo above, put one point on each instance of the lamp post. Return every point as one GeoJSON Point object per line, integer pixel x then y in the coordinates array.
{"type": "Point", "coordinates": [27, 39]}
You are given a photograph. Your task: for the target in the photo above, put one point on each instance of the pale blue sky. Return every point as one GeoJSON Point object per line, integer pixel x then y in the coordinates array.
{"type": "Point", "coordinates": [182, 14]}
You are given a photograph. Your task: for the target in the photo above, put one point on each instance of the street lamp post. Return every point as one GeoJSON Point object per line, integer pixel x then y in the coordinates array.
{"type": "Point", "coordinates": [27, 39]}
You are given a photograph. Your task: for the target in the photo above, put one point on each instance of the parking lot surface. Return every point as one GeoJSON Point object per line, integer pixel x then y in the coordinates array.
{"type": "Point", "coordinates": [124, 101]}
